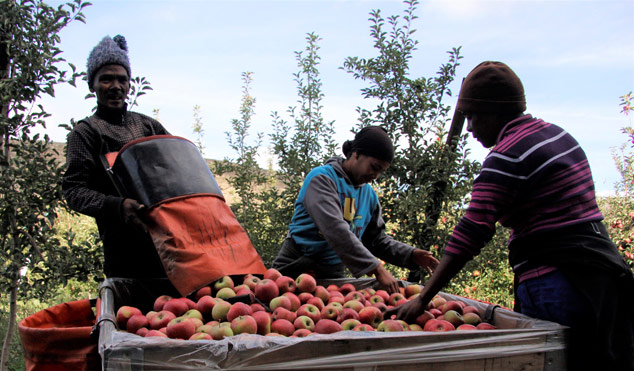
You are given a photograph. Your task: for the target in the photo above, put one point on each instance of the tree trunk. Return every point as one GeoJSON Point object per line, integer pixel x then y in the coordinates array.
{"type": "Point", "coordinates": [6, 345]}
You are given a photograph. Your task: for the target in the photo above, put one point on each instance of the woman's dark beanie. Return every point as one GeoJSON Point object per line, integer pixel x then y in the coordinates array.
{"type": "Point", "coordinates": [492, 87]}
{"type": "Point", "coordinates": [371, 141]}
{"type": "Point", "coordinates": [108, 51]}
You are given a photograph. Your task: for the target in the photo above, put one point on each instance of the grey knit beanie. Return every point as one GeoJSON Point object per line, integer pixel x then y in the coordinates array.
{"type": "Point", "coordinates": [108, 51]}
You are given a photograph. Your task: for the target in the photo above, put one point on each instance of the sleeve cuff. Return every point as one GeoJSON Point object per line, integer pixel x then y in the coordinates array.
{"type": "Point", "coordinates": [112, 207]}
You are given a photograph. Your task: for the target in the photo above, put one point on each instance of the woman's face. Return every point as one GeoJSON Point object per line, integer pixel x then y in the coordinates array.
{"type": "Point", "coordinates": [364, 169]}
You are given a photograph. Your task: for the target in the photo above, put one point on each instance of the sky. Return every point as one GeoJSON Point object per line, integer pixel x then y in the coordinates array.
{"type": "Point", "coordinates": [574, 57]}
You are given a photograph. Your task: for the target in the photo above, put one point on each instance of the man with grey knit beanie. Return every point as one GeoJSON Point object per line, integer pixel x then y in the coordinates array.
{"type": "Point", "coordinates": [537, 182]}
{"type": "Point", "coordinates": [128, 249]}
{"type": "Point", "coordinates": [337, 223]}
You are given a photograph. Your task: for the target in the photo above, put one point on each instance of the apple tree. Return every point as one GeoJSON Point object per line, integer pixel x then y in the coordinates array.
{"type": "Point", "coordinates": [32, 259]}
{"type": "Point", "coordinates": [618, 209]}
{"type": "Point", "coordinates": [430, 176]}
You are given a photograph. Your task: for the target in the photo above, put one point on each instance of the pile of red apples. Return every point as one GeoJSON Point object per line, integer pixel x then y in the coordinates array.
{"type": "Point", "coordinates": [279, 305]}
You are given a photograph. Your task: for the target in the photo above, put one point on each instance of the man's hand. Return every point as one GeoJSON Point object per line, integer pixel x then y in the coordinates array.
{"type": "Point", "coordinates": [132, 212]}
{"type": "Point", "coordinates": [425, 259]}
{"type": "Point", "coordinates": [389, 283]}
{"type": "Point", "coordinates": [408, 311]}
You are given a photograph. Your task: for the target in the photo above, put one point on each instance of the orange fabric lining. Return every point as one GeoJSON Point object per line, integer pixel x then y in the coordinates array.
{"type": "Point", "coordinates": [58, 338]}
{"type": "Point", "coordinates": [200, 240]}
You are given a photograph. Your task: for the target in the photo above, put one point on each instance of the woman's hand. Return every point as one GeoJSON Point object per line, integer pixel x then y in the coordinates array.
{"type": "Point", "coordinates": [425, 259]}
{"type": "Point", "coordinates": [389, 283]}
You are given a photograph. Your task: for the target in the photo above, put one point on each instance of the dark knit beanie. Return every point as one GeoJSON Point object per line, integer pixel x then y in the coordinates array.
{"type": "Point", "coordinates": [492, 87]}
{"type": "Point", "coordinates": [108, 51]}
{"type": "Point", "coordinates": [371, 141]}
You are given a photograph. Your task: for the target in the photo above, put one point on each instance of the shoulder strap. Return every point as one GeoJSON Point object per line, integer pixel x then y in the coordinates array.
{"type": "Point", "coordinates": [104, 157]}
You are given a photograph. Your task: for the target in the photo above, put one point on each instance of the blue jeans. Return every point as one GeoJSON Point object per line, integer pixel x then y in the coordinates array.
{"type": "Point", "coordinates": [551, 297]}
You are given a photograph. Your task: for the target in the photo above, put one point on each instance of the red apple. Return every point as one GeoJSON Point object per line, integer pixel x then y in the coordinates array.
{"type": "Point", "coordinates": [384, 294]}
{"type": "Point", "coordinates": [301, 333]}
{"type": "Point", "coordinates": [332, 287]}
{"type": "Point", "coordinates": [205, 305]}
{"type": "Point", "coordinates": [257, 307]}
{"type": "Point", "coordinates": [371, 315]}
{"type": "Point", "coordinates": [124, 313]}
{"type": "Point", "coordinates": [466, 326]}
{"type": "Point", "coordinates": [151, 315]}
{"type": "Point", "coordinates": [363, 327]}
{"type": "Point", "coordinates": [346, 288]}
{"type": "Point", "coordinates": [390, 325]}
{"type": "Point", "coordinates": [266, 290]}
{"type": "Point", "coordinates": [354, 295]}
{"type": "Point", "coordinates": [205, 290]}
{"type": "Point", "coordinates": [453, 317]}
{"type": "Point", "coordinates": [194, 313]}
{"type": "Point", "coordinates": [283, 327]}
{"type": "Point", "coordinates": [225, 293]}
{"type": "Point", "coordinates": [354, 304]}
{"type": "Point", "coordinates": [327, 326]}
{"type": "Point", "coordinates": [438, 301]}
{"type": "Point", "coordinates": [295, 302]}
{"type": "Point", "coordinates": [190, 303]}
{"type": "Point", "coordinates": [244, 291]}
{"type": "Point", "coordinates": [221, 331]}
{"type": "Point", "coordinates": [381, 306]}
{"type": "Point", "coordinates": [329, 312]}
{"type": "Point", "coordinates": [181, 328]}
{"type": "Point", "coordinates": [349, 324]}
{"type": "Point", "coordinates": [436, 312]}
{"type": "Point", "coordinates": [238, 309]}
{"type": "Point", "coordinates": [394, 298]}
{"type": "Point", "coordinates": [438, 325]}
{"type": "Point", "coordinates": [401, 302]}
{"type": "Point", "coordinates": [285, 284]}
{"type": "Point", "coordinates": [336, 299]}
{"type": "Point", "coordinates": [251, 281]}
{"type": "Point", "coordinates": [220, 310]}
{"type": "Point", "coordinates": [272, 274]}
{"type": "Point", "coordinates": [283, 313]}
{"type": "Point", "coordinates": [424, 317]}
{"type": "Point", "coordinates": [451, 305]}
{"type": "Point", "coordinates": [263, 319]}
{"type": "Point", "coordinates": [205, 328]}
{"type": "Point", "coordinates": [470, 309]}
{"type": "Point", "coordinates": [176, 306]}
{"type": "Point", "coordinates": [347, 313]}
{"type": "Point", "coordinates": [304, 296]}
{"type": "Point", "coordinates": [415, 327]}
{"type": "Point", "coordinates": [161, 319]}
{"type": "Point", "coordinates": [244, 325]}
{"type": "Point", "coordinates": [223, 282]}
{"type": "Point", "coordinates": [471, 318]}
{"type": "Point", "coordinates": [336, 294]}
{"type": "Point", "coordinates": [160, 302]}
{"type": "Point", "coordinates": [485, 326]}
{"type": "Point", "coordinates": [376, 299]}
{"type": "Point", "coordinates": [156, 333]}
{"type": "Point", "coordinates": [200, 336]}
{"type": "Point", "coordinates": [316, 302]}
{"type": "Point", "coordinates": [310, 311]}
{"type": "Point", "coordinates": [280, 301]}
{"type": "Point", "coordinates": [304, 322]}
{"type": "Point", "coordinates": [136, 322]}
{"type": "Point", "coordinates": [306, 283]}
{"type": "Point", "coordinates": [411, 290]}
{"type": "Point", "coordinates": [322, 293]}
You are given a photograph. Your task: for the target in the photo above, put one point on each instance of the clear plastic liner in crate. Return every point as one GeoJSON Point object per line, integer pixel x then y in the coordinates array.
{"type": "Point", "coordinates": [519, 342]}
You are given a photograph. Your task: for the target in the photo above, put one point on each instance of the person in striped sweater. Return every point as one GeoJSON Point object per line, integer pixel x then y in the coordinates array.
{"type": "Point", "coordinates": [536, 181]}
